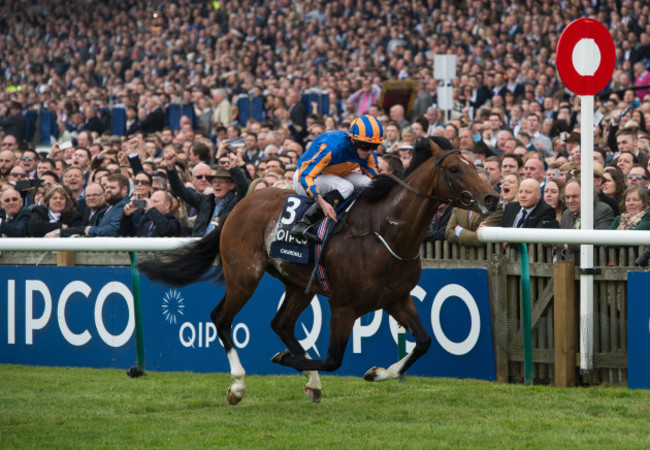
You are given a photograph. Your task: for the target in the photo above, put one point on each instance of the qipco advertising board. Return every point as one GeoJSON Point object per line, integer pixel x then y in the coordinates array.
{"type": "Point", "coordinates": [85, 317]}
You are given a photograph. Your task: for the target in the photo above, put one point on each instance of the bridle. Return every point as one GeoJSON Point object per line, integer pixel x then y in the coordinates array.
{"type": "Point", "coordinates": [465, 198]}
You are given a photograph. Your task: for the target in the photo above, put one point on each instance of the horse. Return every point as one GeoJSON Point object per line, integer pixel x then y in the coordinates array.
{"type": "Point", "coordinates": [373, 262]}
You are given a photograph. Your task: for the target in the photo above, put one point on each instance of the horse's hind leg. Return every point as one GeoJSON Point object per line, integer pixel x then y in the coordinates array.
{"type": "Point", "coordinates": [406, 315]}
{"type": "Point", "coordinates": [222, 317]}
{"type": "Point", "coordinates": [284, 323]}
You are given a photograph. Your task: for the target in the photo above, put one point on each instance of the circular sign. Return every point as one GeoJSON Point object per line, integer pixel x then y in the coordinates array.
{"type": "Point", "coordinates": [585, 56]}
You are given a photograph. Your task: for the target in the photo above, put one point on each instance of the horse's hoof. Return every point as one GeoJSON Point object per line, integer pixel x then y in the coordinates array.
{"type": "Point", "coordinates": [233, 399]}
{"type": "Point", "coordinates": [278, 357]}
{"type": "Point", "coordinates": [371, 375]}
{"type": "Point", "coordinates": [313, 394]}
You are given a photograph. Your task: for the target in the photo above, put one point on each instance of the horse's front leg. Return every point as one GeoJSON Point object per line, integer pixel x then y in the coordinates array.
{"type": "Point", "coordinates": [284, 323]}
{"type": "Point", "coordinates": [406, 315]}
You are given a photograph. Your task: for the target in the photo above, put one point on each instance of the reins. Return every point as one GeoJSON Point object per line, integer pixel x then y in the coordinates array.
{"type": "Point", "coordinates": [465, 198]}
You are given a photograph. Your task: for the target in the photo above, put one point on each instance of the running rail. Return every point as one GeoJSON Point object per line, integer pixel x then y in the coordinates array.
{"type": "Point", "coordinates": [556, 236]}
{"type": "Point", "coordinates": [95, 244]}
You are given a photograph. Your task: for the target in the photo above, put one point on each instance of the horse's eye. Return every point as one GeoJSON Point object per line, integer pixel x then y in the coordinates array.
{"type": "Point", "coordinates": [453, 169]}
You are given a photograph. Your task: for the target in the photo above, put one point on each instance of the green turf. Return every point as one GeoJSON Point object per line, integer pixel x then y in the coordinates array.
{"type": "Point", "coordinates": [87, 408]}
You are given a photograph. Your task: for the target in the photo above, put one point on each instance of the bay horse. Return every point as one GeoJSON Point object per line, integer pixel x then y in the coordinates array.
{"type": "Point", "coordinates": [372, 263]}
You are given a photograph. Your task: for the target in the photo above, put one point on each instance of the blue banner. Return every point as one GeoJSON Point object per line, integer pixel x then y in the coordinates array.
{"type": "Point", "coordinates": [84, 316]}
{"type": "Point", "coordinates": [638, 330]}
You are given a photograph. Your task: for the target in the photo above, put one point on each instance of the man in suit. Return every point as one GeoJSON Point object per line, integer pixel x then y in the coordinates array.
{"type": "Point", "coordinates": [14, 217]}
{"type": "Point", "coordinates": [95, 208]}
{"type": "Point", "coordinates": [117, 189]}
{"type": "Point", "coordinates": [531, 211]}
{"type": "Point", "coordinates": [603, 215]}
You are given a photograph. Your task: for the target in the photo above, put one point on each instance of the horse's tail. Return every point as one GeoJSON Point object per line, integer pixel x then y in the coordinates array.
{"type": "Point", "coordinates": [186, 265]}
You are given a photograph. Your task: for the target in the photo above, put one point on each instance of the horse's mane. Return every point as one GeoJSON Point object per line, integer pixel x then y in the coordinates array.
{"type": "Point", "coordinates": [383, 184]}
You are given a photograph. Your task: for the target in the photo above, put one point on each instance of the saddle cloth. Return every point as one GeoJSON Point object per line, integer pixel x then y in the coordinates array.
{"type": "Point", "coordinates": [297, 249]}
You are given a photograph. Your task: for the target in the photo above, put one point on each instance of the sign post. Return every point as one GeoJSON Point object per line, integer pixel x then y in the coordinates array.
{"type": "Point", "coordinates": [585, 59]}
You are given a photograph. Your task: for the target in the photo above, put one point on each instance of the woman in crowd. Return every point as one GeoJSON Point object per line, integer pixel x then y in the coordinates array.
{"type": "Point", "coordinates": [509, 189]}
{"type": "Point", "coordinates": [635, 210]}
{"type": "Point", "coordinates": [57, 212]}
{"type": "Point", "coordinates": [613, 184]}
{"type": "Point", "coordinates": [554, 196]}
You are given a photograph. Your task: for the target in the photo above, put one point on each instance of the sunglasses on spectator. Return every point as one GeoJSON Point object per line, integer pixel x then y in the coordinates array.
{"type": "Point", "coordinates": [19, 175]}
{"type": "Point", "coordinates": [201, 177]}
{"type": "Point", "coordinates": [27, 158]}
{"type": "Point", "coordinates": [224, 162]}
{"type": "Point", "coordinates": [9, 200]}
{"type": "Point", "coordinates": [142, 182]}
{"type": "Point", "coordinates": [635, 177]}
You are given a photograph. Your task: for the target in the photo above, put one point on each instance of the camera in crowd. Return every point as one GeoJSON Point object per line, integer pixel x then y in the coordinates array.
{"type": "Point", "coordinates": [140, 204]}
{"type": "Point", "coordinates": [236, 143]}
{"type": "Point", "coordinates": [24, 185]}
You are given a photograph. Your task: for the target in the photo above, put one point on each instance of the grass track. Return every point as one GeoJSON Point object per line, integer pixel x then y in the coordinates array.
{"type": "Point", "coordinates": [73, 408]}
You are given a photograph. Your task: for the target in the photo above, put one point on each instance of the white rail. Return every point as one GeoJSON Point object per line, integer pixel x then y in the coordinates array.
{"type": "Point", "coordinates": [555, 236]}
{"type": "Point", "coordinates": [96, 244]}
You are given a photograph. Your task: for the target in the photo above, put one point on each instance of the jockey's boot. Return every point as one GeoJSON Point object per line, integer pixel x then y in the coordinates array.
{"type": "Point", "coordinates": [302, 228]}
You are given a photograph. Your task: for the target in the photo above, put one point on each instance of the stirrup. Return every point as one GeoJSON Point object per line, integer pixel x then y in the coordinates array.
{"type": "Point", "coordinates": [302, 231]}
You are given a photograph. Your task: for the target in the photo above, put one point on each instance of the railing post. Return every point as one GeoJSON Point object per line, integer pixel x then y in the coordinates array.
{"type": "Point", "coordinates": [138, 370]}
{"type": "Point", "coordinates": [526, 316]}
{"type": "Point", "coordinates": [564, 323]}
{"type": "Point", "coordinates": [65, 258]}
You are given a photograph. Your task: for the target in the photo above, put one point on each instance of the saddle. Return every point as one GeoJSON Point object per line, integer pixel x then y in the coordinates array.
{"type": "Point", "coordinates": [296, 249]}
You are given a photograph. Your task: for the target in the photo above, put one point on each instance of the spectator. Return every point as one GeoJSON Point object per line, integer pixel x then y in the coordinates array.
{"type": "Point", "coordinates": [603, 214]}
{"type": "Point", "coordinates": [116, 195]}
{"type": "Point", "coordinates": [635, 210]}
{"type": "Point", "coordinates": [367, 95]}
{"type": "Point", "coordinates": [613, 184]}
{"type": "Point", "coordinates": [7, 161]}
{"type": "Point", "coordinates": [57, 212]}
{"type": "Point", "coordinates": [156, 220]}
{"type": "Point", "coordinates": [493, 168]}
{"type": "Point", "coordinates": [29, 161]}
{"type": "Point", "coordinates": [530, 211]}
{"type": "Point", "coordinates": [437, 227]}
{"type": "Point", "coordinates": [14, 124]}
{"type": "Point", "coordinates": [73, 179]}
{"type": "Point", "coordinates": [511, 163]}
{"type": "Point", "coordinates": [554, 195]}
{"type": "Point", "coordinates": [509, 188]}
{"type": "Point", "coordinates": [14, 217]}
{"type": "Point", "coordinates": [638, 176]}
{"type": "Point", "coordinates": [222, 111]}
{"type": "Point", "coordinates": [95, 208]}
{"type": "Point", "coordinates": [229, 186]}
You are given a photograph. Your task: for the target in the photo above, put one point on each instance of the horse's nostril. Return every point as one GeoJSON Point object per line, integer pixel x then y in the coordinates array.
{"type": "Point", "coordinates": [491, 201]}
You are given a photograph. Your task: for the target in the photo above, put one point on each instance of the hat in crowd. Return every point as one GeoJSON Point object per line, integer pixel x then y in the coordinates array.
{"type": "Point", "coordinates": [114, 138]}
{"type": "Point", "coordinates": [574, 137]}
{"type": "Point", "coordinates": [221, 172]}
{"type": "Point", "coordinates": [598, 169]}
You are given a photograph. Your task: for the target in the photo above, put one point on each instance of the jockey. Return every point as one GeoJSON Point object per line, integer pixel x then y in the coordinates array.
{"type": "Point", "coordinates": [327, 171]}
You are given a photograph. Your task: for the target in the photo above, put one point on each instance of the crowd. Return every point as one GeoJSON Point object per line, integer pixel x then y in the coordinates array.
{"type": "Point", "coordinates": [511, 114]}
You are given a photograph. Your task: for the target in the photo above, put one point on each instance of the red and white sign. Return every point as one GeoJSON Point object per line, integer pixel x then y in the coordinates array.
{"type": "Point", "coordinates": [585, 56]}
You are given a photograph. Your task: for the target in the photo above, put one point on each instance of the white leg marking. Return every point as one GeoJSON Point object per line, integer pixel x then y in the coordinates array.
{"type": "Point", "coordinates": [381, 374]}
{"type": "Point", "coordinates": [238, 388]}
